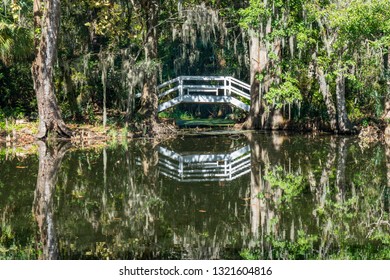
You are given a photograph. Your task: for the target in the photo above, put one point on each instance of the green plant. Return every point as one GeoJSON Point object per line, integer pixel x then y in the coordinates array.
{"type": "Point", "coordinates": [248, 254]}
{"type": "Point", "coordinates": [291, 184]}
{"type": "Point", "coordinates": [287, 92]}
{"type": "Point", "coordinates": [164, 115]}
{"type": "Point", "coordinates": [186, 116]}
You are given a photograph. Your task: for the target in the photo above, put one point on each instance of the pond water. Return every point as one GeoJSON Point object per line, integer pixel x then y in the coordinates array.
{"type": "Point", "coordinates": [231, 196]}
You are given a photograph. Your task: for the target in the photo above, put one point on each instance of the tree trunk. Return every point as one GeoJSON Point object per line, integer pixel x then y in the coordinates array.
{"type": "Point", "coordinates": [256, 187]}
{"type": "Point", "coordinates": [258, 65]}
{"type": "Point", "coordinates": [387, 152]}
{"type": "Point", "coordinates": [46, 21]}
{"type": "Point", "coordinates": [50, 159]}
{"type": "Point", "coordinates": [330, 106]}
{"type": "Point", "coordinates": [129, 106]}
{"type": "Point", "coordinates": [323, 190]}
{"type": "Point", "coordinates": [344, 125]}
{"type": "Point", "coordinates": [386, 70]}
{"type": "Point", "coordinates": [341, 166]}
{"type": "Point", "coordinates": [274, 119]}
{"type": "Point", "coordinates": [149, 102]}
{"type": "Point", "coordinates": [253, 121]}
{"type": "Point", "coordinates": [104, 83]}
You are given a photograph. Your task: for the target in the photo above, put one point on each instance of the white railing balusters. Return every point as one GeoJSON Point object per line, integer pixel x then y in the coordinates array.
{"type": "Point", "coordinates": [206, 92]}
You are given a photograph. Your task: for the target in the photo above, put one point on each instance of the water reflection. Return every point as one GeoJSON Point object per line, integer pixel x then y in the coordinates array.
{"type": "Point", "coordinates": [204, 167]}
{"type": "Point", "coordinates": [50, 158]}
{"type": "Point", "coordinates": [263, 196]}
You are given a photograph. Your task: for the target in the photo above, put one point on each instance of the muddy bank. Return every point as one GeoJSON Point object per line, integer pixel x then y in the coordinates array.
{"type": "Point", "coordinates": [22, 133]}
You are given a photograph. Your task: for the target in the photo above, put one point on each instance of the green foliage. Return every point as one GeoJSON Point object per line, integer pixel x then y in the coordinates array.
{"type": "Point", "coordinates": [164, 115]}
{"type": "Point", "coordinates": [247, 254]}
{"type": "Point", "coordinates": [291, 184]}
{"type": "Point", "coordinates": [285, 93]}
{"type": "Point", "coordinates": [177, 114]}
{"type": "Point", "coordinates": [298, 36]}
{"type": "Point", "coordinates": [301, 248]}
{"type": "Point", "coordinates": [10, 246]}
{"type": "Point", "coordinates": [365, 123]}
{"type": "Point", "coordinates": [15, 31]}
{"type": "Point", "coordinates": [253, 14]}
{"type": "Point", "coordinates": [186, 116]}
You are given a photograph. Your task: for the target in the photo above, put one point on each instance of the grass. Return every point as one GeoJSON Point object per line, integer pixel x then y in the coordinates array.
{"type": "Point", "coordinates": [17, 127]}
{"type": "Point", "coordinates": [206, 123]}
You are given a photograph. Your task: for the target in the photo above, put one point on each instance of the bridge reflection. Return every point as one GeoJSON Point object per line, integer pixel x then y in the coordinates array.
{"type": "Point", "coordinates": [204, 167]}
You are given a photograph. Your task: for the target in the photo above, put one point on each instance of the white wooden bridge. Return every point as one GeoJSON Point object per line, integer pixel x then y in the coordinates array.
{"type": "Point", "coordinates": [203, 89]}
{"type": "Point", "coordinates": [204, 167]}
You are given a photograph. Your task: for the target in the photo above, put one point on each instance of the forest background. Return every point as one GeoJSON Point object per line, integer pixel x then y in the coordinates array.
{"type": "Point", "coordinates": [311, 64]}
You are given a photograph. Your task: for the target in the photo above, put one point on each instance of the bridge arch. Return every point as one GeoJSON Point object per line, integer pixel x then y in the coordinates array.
{"type": "Point", "coordinates": [203, 90]}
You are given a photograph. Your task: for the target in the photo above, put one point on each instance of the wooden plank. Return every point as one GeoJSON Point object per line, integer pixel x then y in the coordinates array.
{"type": "Point", "coordinates": [203, 78]}
{"type": "Point", "coordinates": [240, 93]}
{"type": "Point", "coordinates": [202, 87]}
{"type": "Point", "coordinates": [240, 152]}
{"type": "Point", "coordinates": [168, 153]}
{"type": "Point", "coordinates": [240, 83]}
{"type": "Point", "coordinates": [191, 90]}
{"type": "Point", "coordinates": [168, 92]}
{"type": "Point", "coordinates": [168, 82]}
{"type": "Point", "coordinates": [205, 99]}
{"type": "Point", "coordinates": [169, 104]}
{"type": "Point", "coordinates": [239, 104]}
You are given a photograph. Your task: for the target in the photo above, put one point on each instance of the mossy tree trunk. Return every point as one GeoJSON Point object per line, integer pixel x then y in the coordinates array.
{"type": "Point", "coordinates": [149, 102]}
{"type": "Point", "coordinates": [46, 27]}
{"type": "Point", "coordinates": [263, 72]}
{"type": "Point", "coordinates": [328, 98]}
{"type": "Point", "coordinates": [254, 118]}
{"type": "Point", "coordinates": [344, 124]}
{"type": "Point", "coordinates": [386, 113]}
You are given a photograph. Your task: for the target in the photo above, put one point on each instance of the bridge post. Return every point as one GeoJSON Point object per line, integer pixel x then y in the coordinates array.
{"type": "Point", "coordinates": [181, 88]}
{"type": "Point", "coordinates": [224, 85]}
{"type": "Point", "coordinates": [181, 169]}
{"type": "Point", "coordinates": [229, 85]}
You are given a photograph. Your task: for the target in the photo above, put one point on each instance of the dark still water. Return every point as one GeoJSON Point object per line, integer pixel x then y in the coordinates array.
{"type": "Point", "coordinates": [238, 196]}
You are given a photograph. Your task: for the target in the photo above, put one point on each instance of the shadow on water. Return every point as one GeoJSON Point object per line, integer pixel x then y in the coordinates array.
{"type": "Point", "coordinates": [252, 196]}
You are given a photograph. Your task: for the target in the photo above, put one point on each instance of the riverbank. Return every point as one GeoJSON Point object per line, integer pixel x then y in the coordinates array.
{"type": "Point", "coordinates": [21, 132]}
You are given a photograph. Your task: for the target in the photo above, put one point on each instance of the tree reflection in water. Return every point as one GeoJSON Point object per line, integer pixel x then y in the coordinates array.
{"type": "Point", "coordinates": [50, 158]}
{"type": "Point", "coordinates": [322, 204]}
{"type": "Point", "coordinates": [302, 197]}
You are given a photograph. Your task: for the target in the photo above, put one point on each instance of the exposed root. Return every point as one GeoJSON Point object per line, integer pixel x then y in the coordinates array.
{"type": "Point", "coordinates": [58, 128]}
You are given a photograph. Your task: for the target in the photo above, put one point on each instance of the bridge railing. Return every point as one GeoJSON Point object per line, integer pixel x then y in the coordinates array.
{"type": "Point", "coordinates": [203, 85]}
{"type": "Point", "coordinates": [204, 167]}
{"type": "Point", "coordinates": [239, 88]}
